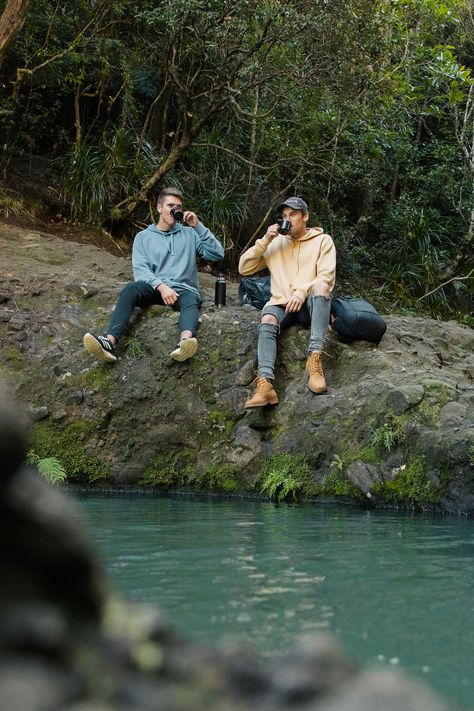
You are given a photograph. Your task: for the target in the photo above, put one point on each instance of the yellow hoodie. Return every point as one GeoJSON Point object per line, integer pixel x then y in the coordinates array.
{"type": "Point", "coordinates": [294, 264]}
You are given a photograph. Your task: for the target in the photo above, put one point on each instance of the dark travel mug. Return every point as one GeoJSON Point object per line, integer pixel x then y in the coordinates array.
{"type": "Point", "coordinates": [177, 213]}
{"type": "Point", "coordinates": [220, 290]}
{"type": "Point", "coordinates": [285, 226]}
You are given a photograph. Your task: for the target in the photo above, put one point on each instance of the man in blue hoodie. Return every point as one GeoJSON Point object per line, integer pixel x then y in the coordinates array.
{"type": "Point", "coordinates": [165, 273]}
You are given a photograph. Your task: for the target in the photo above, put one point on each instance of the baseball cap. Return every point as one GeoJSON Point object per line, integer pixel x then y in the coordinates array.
{"type": "Point", "coordinates": [295, 202]}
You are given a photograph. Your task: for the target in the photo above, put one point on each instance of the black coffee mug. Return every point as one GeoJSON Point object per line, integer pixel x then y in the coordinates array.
{"type": "Point", "coordinates": [177, 213]}
{"type": "Point", "coordinates": [285, 226]}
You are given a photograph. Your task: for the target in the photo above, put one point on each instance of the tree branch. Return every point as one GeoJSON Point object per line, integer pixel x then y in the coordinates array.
{"type": "Point", "coordinates": [456, 278]}
{"type": "Point", "coordinates": [259, 228]}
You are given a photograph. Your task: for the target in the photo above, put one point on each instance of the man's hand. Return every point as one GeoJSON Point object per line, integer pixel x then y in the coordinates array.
{"type": "Point", "coordinates": [294, 304]}
{"type": "Point", "coordinates": [169, 296]}
{"type": "Point", "coordinates": [272, 231]}
{"type": "Point", "coordinates": [190, 218]}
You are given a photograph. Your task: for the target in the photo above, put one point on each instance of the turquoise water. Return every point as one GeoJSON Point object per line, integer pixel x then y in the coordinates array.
{"type": "Point", "coordinates": [396, 589]}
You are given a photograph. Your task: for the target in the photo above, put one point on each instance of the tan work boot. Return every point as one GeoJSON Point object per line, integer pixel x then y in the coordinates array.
{"type": "Point", "coordinates": [264, 394]}
{"type": "Point", "coordinates": [314, 366]}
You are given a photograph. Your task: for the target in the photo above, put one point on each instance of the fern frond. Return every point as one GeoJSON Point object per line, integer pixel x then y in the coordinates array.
{"type": "Point", "coordinates": [52, 470]}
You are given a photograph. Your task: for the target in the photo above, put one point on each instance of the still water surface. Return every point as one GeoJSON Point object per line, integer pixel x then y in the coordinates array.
{"type": "Point", "coordinates": [395, 589]}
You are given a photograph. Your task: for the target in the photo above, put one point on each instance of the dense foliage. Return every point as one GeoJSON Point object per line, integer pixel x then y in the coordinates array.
{"type": "Point", "coordinates": [366, 108]}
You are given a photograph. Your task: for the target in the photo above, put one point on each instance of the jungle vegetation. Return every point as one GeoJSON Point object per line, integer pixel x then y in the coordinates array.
{"type": "Point", "coordinates": [366, 108]}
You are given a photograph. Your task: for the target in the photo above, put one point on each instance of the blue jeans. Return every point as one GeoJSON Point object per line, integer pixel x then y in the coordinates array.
{"type": "Point", "coordinates": [139, 293]}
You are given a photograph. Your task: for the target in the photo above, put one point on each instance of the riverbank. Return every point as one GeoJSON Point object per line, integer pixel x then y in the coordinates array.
{"type": "Point", "coordinates": [67, 641]}
{"type": "Point", "coordinates": [396, 426]}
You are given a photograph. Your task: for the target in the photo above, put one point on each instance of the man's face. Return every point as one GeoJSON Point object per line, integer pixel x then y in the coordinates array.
{"type": "Point", "coordinates": [298, 221]}
{"type": "Point", "coordinates": [169, 202]}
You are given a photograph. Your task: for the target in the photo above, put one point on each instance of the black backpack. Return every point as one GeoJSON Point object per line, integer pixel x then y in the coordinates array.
{"type": "Point", "coordinates": [356, 320]}
{"type": "Point", "coordinates": [255, 290]}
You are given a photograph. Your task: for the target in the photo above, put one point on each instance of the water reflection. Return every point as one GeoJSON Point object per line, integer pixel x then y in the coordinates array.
{"type": "Point", "coordinates": [396, 589]}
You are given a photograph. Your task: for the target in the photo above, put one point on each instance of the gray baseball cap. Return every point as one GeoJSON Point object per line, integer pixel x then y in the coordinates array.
{"type": "Point", "coordinates": [295, 202]}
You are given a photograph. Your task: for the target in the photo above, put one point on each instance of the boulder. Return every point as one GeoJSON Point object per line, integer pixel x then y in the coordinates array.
{"type": "Point", "coordinates": [397, 420]}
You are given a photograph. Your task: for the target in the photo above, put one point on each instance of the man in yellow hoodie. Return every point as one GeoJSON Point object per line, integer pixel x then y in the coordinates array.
{"type": "Point", "coordinates": [302, 265]}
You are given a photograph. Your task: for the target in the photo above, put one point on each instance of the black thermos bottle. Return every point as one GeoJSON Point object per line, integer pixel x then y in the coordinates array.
{"type": "Point", "coordinates": [219, 295]}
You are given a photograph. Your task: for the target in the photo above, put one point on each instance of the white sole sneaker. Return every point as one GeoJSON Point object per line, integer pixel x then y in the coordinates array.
{"type": "Point", "coordinates": [92, 346]}
{"type": "Point", "coordinates": [186, 349]}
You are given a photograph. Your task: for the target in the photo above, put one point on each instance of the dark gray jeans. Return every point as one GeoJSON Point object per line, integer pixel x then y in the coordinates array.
{"type": "Point", "coordinates": [141, 294]}
{"type": "Point", "coordinates": [314, 314]}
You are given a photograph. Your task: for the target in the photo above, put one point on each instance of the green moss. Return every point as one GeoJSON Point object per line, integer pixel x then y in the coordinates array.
{"type": "Point", "coordinates": [12, 355]}
{"type": "Point", "coordinates": [471, 455]}
{"type": "Point", "coordinates": [133, 347]}
{"type": "Point", "coordinates": [369, 455]}
{"type": "Point", "coordinates": [219, 419]}
{"type": "Point", "coordinates": [176, 469]}
{"type": "Point", "coordinates": [411, 485]}
{"type": "Point", "coordinates": [294, 368]}
{"type": "Point", "coordinates": [436, 396]}
{"type": "Point", "coordinates": [66, 445]}
{"type": "Point", "coordinates": [430, 413]}
{"type": "Point", "coordinates": [218, 477]}
{"type": "Point", "coordinates": [388, 435]}
{"type": "Point", "coordinates": [166, 469]}
{"type": "Point", "coordinates": [203, 377]}
{"type": "Point", "coordinates": [100, 378]}
{"type": "Point", "coordinates": [336, 484]}
{"type": "Point", "coordinates": [445, 477]}
{"type": "Point", "coordinates": [214, 356]}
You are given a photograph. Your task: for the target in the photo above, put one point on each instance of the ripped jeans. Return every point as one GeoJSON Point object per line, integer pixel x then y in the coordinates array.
{"type": "Point", "coordinates": [313, 314]}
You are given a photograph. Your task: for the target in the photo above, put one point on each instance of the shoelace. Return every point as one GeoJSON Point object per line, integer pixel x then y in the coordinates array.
{"type": "Point", "coordinates": [259, 383]}
{"type": "Point", "coordinates": [105, 343]}
{"type": "Point", "coordinates": [315, 364]}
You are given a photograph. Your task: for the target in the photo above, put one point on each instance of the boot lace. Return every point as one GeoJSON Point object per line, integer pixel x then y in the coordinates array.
{"type": "Point", "coordinates": [315, 364]}
{"type": "Point", "coordinates": [259, 383]}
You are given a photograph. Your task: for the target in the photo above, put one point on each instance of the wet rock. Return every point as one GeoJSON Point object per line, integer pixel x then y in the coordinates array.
{"type": "Point", "coordinates": [416, 388]}
{"type": "Point", "coordinates": [59, 415]}
{"type": "Point", "coordinates": [247, 373]}
{"type": "Point", "coordinates": [75, 397]}
{"type": "Point", "coordinates": [363, 475]}
{"type": "Point", "coordinates": [18, 323]}
{"type": "Point", "coordinates": [309, 671]}
{"type": "Point", "coordinates": [454, 413]}
{"type": "Point", "coordinates": [38, 413]}
{"type": "Point", "coordinates": [377, 690]}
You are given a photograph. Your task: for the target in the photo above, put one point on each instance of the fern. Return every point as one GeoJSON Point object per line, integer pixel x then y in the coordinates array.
{"type": "Point", "coordinates": [50, 468]}
{"type": "Point", "coordinates": [384, 436]}
{"type": "Point", "coordinates": [281, 486]}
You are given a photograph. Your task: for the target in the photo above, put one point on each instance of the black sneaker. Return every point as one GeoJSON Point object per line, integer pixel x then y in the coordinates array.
{"type": "Point", "coordinates": [100, 347]}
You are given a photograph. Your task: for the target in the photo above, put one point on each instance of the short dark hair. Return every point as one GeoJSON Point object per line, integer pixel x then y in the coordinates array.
{"type": "Point", "coordinates": [169, 191]}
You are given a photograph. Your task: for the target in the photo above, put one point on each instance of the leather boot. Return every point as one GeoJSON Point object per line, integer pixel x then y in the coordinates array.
{"type": "Point", "coordinates": [264, 394]}
{"type": "Point", "coordinates": [314, 367]}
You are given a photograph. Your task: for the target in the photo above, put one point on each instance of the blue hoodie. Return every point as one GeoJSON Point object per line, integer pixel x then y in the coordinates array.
{"type": "Point", "coordinates": [170, 257]}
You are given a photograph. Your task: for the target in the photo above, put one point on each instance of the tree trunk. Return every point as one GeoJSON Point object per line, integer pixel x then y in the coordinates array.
{"type": "Point", "coordinates": [11, 22]}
